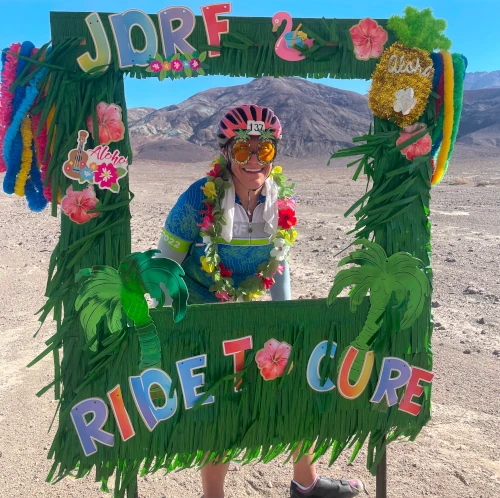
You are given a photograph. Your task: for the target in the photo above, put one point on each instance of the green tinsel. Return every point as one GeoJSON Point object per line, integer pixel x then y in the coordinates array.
{"type": "Point", "coordinates": [420, 29]}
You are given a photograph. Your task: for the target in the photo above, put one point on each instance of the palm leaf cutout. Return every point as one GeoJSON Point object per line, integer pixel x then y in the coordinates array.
{"type": "Point", "coordinates": [119, 294]}
{"type": "Point", "coordinates": [400, 274]}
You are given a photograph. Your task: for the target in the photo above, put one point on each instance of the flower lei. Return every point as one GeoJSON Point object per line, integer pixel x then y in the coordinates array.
{"type": "Point", "coordinates": [256, 285]}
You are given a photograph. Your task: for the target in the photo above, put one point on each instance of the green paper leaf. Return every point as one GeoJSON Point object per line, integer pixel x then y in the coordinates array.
{"type": "Point", "coordinates": [115, 187]}
{"type": "Point", "coordinates": [158, 57]}
{"type": "Point", "coordinates": [121, 172]}
{"type": "Point", "coordinates": [162, 75]}
{"type": "Point", "coordinates": [188, 56]}
{"type": "Point", "coordinates": [188, 72]}
{"type": "Point", "coordinates": [200, 71]}
{"type": "Point", "coordinates": [202, 56]}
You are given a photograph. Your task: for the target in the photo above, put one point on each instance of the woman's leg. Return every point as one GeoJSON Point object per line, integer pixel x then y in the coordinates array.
{"type": "Point", "coordinates": [304, 473]}
{"type": "Point", "coordinates": [212, 480]}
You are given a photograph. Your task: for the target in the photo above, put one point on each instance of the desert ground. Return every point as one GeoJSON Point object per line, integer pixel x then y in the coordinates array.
{"type": "Point", "coordinates": [457, 455]}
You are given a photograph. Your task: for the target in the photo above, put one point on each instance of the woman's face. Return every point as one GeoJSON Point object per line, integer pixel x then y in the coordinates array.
{"type": "Point", "coordinates": [253, 174]}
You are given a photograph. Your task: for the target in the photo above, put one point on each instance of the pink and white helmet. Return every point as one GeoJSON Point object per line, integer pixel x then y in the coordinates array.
{"type": "Point", "coordinates": [237, 118]}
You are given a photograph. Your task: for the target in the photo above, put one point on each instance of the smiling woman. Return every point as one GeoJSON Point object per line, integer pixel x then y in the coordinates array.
{"type": "Point", "coordinates": [228, 230]}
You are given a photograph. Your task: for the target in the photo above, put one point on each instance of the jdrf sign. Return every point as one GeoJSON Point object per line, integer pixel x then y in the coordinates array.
{"type": "Point", "coordinates": [172, 40]}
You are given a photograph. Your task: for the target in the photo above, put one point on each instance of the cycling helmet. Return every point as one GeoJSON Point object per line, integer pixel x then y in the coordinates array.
{"type": "Point", "coordinates": [237, 118]}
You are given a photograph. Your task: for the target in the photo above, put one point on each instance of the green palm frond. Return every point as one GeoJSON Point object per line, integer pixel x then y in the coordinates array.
{"type": "Point", "coordinates": [142, 272]}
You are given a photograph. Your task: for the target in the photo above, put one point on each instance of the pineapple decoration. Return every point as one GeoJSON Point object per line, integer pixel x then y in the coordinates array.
{"type": "Point", "coordinates": [402, 80]}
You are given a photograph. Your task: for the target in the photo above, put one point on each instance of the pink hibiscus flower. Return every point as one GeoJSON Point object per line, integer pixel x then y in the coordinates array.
{"type": "Point", "coordinates": [368, 39]}
{"type": "Point", "coordinates": [273, 359]}
{"type": "Point", "coordinates": [77, 204]}
{"type": "Point", "coordinates": [206, 222]}
{"type": "Point", "coordinates": [223, 296]}
{"type": "Point", "coordinates": [109, 119]}
{"type": "Point", "coordinates": [286, 204]}
{"type": "Point", "coordinates": [105, 175]}
{"type": "Point", "coordinates": [419, 148]}
{"type": "Point", "coordinates": [279, 270]}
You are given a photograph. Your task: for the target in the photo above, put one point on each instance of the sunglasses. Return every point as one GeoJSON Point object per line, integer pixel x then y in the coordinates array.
{"type": "Point", "coordinates": [242, 151]}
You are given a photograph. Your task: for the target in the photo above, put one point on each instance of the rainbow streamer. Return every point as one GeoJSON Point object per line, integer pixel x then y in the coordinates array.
{"type": "Point", "coordinates": [444, 151]}
{"type": "Point", "coordinates": [451, 88]}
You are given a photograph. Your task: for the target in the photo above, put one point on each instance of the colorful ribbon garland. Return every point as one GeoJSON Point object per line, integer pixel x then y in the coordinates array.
{"type": "Point", "coordinates": [22, 171]}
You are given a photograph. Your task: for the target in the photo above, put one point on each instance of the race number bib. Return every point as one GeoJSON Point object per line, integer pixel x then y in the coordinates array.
{"type": "Point", "coordinates": [255, 127]}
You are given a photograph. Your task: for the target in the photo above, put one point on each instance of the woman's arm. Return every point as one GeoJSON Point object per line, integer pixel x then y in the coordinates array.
{"type": "Point", "coordinates": [281, 290]}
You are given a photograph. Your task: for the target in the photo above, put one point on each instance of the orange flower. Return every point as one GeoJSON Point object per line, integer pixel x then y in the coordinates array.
{"type": "Point", "coordinates": [166, 65]}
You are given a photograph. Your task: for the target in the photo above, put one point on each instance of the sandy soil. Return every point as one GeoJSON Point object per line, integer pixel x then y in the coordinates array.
{"type": "Point", "coordinates": [456, 455]}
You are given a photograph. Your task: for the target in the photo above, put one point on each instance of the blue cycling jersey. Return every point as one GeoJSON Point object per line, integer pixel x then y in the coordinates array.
{"type": "Point", "coordinates": [249, 247]}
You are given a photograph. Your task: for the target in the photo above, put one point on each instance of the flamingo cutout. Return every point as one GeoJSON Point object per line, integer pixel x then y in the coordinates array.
{"type": "Point", "coordinates": [280, 47]}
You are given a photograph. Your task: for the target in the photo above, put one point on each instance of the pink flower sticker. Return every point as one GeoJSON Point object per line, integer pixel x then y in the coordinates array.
{"type": "Point", "coordinates": [273, 359]}
{"type": "Point", "coordinates": [195, 64]}
{"type": "Point", "coordinates": [177, 65]}
{"type": "Point", "coordinates": [155, 66]}
{"type": "Point", "coordinates": [109, 119]}
{"type": "Point", "coordinates": [106, 175]}
{"type": "Point", "coordinates": [419, 148]}
{"type": "Point", "coordinates": [77, 204]}
{"type": "Point", "coordinates": [368, 39]}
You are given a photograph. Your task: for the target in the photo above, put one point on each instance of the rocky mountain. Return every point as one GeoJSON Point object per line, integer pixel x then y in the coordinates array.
{"type": "Point", "coordinates": [317, 119]}
{"type": "Point", "coordinates": [482, 79]}
{"type": "Point", "coordinates": [137, 113]}
{"type": "Point", "coordinates": [480, 123]}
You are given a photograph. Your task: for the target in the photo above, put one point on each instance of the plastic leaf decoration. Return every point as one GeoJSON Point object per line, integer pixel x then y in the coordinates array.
{"type": "Point", "coordinates": [401, 275]}
{"type": "Point", "coordinates": [117, 295]}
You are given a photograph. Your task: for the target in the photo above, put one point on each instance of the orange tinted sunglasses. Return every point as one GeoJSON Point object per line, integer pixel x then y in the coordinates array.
{"type": "Point", "coordinates": [242, 151]}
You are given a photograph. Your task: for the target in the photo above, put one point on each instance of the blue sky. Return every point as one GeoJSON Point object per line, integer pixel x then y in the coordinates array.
{"type": "Point", "coordinates": [471, 27]}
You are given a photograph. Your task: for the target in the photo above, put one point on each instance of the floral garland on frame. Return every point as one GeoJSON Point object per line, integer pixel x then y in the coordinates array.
{"type": "Point", "coordinates": [256, 285]}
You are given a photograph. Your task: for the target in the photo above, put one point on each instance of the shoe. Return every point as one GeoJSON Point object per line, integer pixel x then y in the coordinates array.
{"type": "Point", "coordinates": [329, 488]}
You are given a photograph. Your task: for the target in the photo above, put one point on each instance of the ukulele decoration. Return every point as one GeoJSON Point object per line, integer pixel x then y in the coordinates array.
{"type": "Point", "coordinates": [77, 159]}
{"type": "Point", "coordinates": [98, 166]}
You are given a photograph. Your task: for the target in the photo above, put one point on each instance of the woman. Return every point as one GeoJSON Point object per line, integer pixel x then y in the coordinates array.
{"type": "Point", "coordinates": [231, 232]}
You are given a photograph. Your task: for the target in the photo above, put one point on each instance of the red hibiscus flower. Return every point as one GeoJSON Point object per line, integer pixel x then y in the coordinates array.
{"type": "Point", "coordinates": [286, 218]}
{"type": "Point", "coordinates": [209, 211]}
{"type": "Point", "coordinates": [109, 120]}
{"type": "Point", "coordinates": [225, 272]}
{"type": "Point", "coordinates": [77, 204]}
{"type": "Point", "coordinates": [368, 39]}
{"type": "Point", "coordinates": [419, 148]}
{"type": "Point", "coordinates": [215, 171]}
{"type": "Point", "coordinates": [273, 359]}
{"type": "Point", "coordinates": [267, 282]}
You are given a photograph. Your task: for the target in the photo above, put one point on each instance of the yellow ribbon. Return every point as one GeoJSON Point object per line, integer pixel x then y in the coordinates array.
{"type": "Point", "coordinates": [26, 157]}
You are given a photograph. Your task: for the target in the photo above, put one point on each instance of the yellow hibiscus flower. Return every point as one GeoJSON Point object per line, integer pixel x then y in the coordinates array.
{"type": "Point", "coordinates": [255, 295]}
{"type": "Point", "coordinates": [289, 236]}
{"type": "Point", "coordinates": [209, 190]}
{"type": "Point", "coordinates": [276, 170]}
{"type": "Point", "coordinates": [209, 268]}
